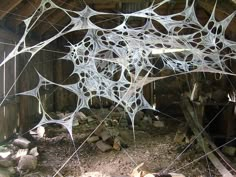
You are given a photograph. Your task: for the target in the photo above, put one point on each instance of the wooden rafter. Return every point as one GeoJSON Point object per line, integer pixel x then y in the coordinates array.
{"type": "Point", "coordinates": [7, 6]}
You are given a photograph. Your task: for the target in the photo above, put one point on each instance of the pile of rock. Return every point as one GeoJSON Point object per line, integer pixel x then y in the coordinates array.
{"type": "Point", "coordinates": [107, 139]}
{"type": "Point", "coordinates": [18, 157]}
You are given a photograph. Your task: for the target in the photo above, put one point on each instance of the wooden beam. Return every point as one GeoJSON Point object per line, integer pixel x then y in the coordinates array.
{"type": "Point", "coordinates": [7, 6]}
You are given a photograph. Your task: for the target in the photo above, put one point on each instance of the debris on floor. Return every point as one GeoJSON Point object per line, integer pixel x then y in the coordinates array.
{"type": "Point", "coordinates": [109, 152]}
{"type": "Point", "coordinates": [21, 157]}
{"type": "Point", "coordinates": [138, 172]}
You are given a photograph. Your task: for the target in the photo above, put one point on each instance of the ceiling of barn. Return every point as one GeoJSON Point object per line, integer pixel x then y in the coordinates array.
{"type": "Point", "coordinates": [12, 13]}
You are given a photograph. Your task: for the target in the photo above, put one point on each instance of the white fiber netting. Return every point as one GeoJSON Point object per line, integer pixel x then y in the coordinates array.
{"type": "Point", "coordinates": [127, 52]}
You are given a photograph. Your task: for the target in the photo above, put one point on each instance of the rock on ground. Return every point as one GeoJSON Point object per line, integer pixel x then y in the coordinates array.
{"type": "Point", "coordinates": [21, 142]}
{"type": "Point", "coordinates": [6, 163]}
{"type": "Point", "coordinates": [27, 162]}
{"type": "Point", "coordinates": [94, 174]}
{"type": "Point", "coordinates": [4, 173]}
{"type": "Point", "coordinates": [158, 124]}
{"type": "Point", "coordinates": [34, 152]}
{"type": "Point", "coordinates": [103, 146]}
{"type": "Point", "coordinates": [105, 135]}
{"type": "Point", "coordinates": [93, 139]}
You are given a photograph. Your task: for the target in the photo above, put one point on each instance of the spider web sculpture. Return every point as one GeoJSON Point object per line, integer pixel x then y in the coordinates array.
{"type": "Point", "coordinates": [126, 51]}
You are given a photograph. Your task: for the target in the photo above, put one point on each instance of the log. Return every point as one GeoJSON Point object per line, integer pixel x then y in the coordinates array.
{"type": "Point", "coordinates": [202, 141]}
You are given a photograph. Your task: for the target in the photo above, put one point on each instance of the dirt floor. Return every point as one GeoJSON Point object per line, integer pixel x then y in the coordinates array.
{"type": "Point", "coordinates": [153, 146]}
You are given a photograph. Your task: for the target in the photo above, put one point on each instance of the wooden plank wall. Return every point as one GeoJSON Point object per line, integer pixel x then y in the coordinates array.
{"type": "Point", "coordinates": [8, 111]}
{"type": "Point", "coordinates": [29, 106]}
{"type": "Point", "coordinates": [20, 113]}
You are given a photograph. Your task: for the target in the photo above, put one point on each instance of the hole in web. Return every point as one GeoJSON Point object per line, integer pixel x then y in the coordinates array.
{"type": "Point", "coordinates": [100, 102]}
{"type": "Point", "coordinates": [159, 27]}
{"type": "Point", "coordinates": [47, 5]}
{"type": "Point", "coordinates": [135, 22]}
{"type": "Point", "coordinates": [66, 69]}
{"type": "Point", "coordinates": [47, 26]}
{"type": "Point", "coordinates": [107, 21]}
{"type": "Point", "coordinates": [187, 30]}
{"type": "Point", "coordinates": [73, 14]}
{"type": "Point", "coordinates": [211, 24]}
{"type": "Point", "coordinates": [66, 100]}
{"type": "Point", "coordinates": [32, 103]}
{"type": "Point", "coordinates": [178, 17]}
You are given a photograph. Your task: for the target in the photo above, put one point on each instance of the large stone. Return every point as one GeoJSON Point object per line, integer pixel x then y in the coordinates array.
{"type": "Point", "coordinates": [90, 119]}
{"type": "Point", "coordinates": [12, 171]}
{"type": "Point", "coordinates": [5, 154]}
{"type": "Point", "coordinates": [27, 162]}
{"type": "Point", "coordinates": [99, 130]}
{"type": "Point", "coordinates": [158, 124]}
{"type": "Point", "coordinates": [103, 146]}
{"type": "Point", "coordinates": [40, 131]}
{"type": "Point", "coordinates": [147, 120]}
{"type": "Point", "coordinates": [75, 122]}
{"type": "Point", "coordinates": [34, 152]}
{"type": "Point", "coordinates": [21, 142]}
{"type": "Point", "coordinates": [81, 116]}
{"type": "Point", "coordinates": [93, 139]}
{"type": "Point", "coordinates": [105, 135]}
{"type": "Point", "coordinates": [6, 163]}
{"type": "Point", "coordinates": [4, 172]}
{"type": "Point", "coordinates": [21, 152]}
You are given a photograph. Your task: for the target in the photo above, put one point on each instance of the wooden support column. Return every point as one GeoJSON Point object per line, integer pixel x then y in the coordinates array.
{"type": "Point", "coordinates": [9, 103]}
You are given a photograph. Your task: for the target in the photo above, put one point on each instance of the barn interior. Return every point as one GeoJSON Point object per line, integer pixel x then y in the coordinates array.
{"type": "Point", "coordinates": [160, 100]}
